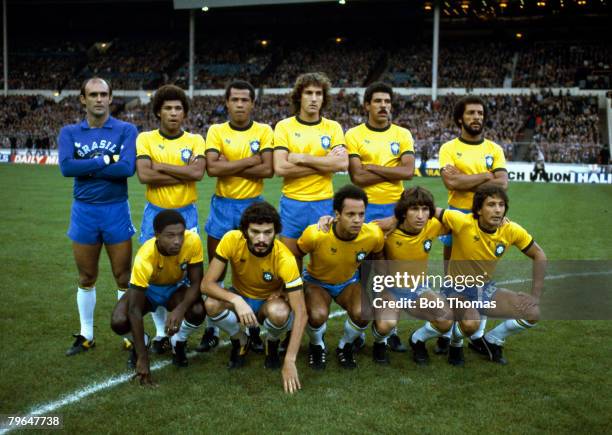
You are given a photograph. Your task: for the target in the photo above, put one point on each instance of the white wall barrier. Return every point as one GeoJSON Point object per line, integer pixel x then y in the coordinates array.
{"type": "Point", "coordinates": [517, 171]}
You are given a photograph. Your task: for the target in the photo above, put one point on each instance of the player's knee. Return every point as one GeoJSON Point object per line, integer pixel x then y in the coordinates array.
{"type": "Point", "coordinates": [357, 316]}
{"type": "Point", "coordinates": [278, 312]}
{"type": "Point", "coordinates": [87, 279]}
{"type": "Point", "coordinates": [532, 314]}
{"type": "Point", "coordinates": [317, 315]}
{"type": "Point", "coordinates": [120, 323]}
{"type": "Point", "coordinates": [122, 278]}
{"type": "Point", "coordinates": [384, 327]}
{"type": "Point", "coordinates": [196, 313]}
{"type": "Point", "coordinates": [468, 326]}
{"type": "Point", "coordinates": [442, 325]}
{"type": "Point", "coordinates": [213, 306]}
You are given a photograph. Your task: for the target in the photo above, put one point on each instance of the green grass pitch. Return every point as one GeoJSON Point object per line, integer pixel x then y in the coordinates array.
{"type": "Point", "coordinates": [558, 379]}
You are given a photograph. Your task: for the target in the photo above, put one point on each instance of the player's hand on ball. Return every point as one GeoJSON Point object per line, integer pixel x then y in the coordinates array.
{"type": "Point", "coordinates": [291, 380]}
{"type": "Point", "coordinates": [245, 313]}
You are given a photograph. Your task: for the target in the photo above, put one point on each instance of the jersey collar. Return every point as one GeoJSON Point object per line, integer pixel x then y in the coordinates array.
{"type": "Point", "coordinates": [245, 128]}
{"type": "Point", "coordinates": [301, 121]}
{"type": "Point", "coordinates": [487, 231]}
{"type": "Point", "coordinates": [109, 123]}
{"type": "Point", "coordinates": [380, 130]}
{"type": "Point", "coordinates": [470, 142]}
{"type": "Point", "coordinates": [170, 137]}
{"type": "Point", "coordinates": [340, 238]}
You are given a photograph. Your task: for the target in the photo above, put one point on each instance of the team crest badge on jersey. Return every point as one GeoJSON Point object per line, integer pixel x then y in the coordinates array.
{"type": "Point", "coordinates": [499, 250]}
{"type": "Point", "coordinates": [427, 245]}
{"type": "Point", "coordinates": [254, 146]}
{"type": "Point", "coordinates": [268, 277]}
{"type": "Point", "coordinates": [489, 161]}
{"type": "Point", "coordinates": [394, 148]}
{"type": "Point", "coordinates": [361, 255]}
{"type": "Point", "coordinates": [184, 265]}
{"type": "Point", "coordinates": [185, 155]}
{"type": "Point", "coordinates": [325, 142]}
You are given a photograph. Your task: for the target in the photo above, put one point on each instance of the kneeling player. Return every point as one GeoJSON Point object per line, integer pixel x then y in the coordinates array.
{"type": "Point", "coordinates": [408, 248]}
{"type": "Point", "coordinates": [332, 273]}
{"type": "Point", "coordinates": [266, 287]}
{"type": "Point", "coordinates": [167, 272]}
{"type": "Point", "coordinates": [480, 239]}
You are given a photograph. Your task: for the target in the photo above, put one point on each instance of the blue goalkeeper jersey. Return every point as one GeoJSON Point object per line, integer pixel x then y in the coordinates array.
{"type": "Point", "coordinates": [81, 155]}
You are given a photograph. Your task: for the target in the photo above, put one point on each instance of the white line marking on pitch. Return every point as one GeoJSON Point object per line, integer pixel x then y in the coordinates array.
{"type": "Point", "coordinates": [120, 379]}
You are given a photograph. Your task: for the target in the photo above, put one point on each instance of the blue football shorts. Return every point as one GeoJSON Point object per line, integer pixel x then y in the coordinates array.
{"type": "Point", "coordinates": [189, 212]}
{"type": "Point", "coordinates": [225, 213]}
{"type": "Point", "coordinates": [297, 215]}
{"type": "Point", "coordinates": [91, 224]}
{"type": "Point", "coordinates": [379, 211]}
{"type": "Point", "coordinates": [334, 290]}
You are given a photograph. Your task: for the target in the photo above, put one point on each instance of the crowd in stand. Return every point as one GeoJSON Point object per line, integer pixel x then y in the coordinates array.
{"type": "Point", "coordinates": [565, 128]}
{"type": "Point", "coordinates": [144, 64]}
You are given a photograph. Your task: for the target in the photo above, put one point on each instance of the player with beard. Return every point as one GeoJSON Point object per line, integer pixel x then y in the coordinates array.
{"type": "Point", "coordinates": [467, 163]}
{"type": "Point", "coordinates": [381, 157]}
{"type": "Point", "coordinates": [266, 288]}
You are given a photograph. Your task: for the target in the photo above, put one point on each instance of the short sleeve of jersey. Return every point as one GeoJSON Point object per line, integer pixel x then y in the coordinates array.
{"type": "Point", "coordinates": [337, 135]}
{"type": "Point", "coordinates": [499, 160]}
{"type": "Point", "coordinates": [225, 248]}
{"type": "Point", "coordinates": [288, 271]}
{"type": "Point", "coordinates": [267, 138]}
{"type": "Point", "coordinates": [455, 220]}
{"type": "Point", "coordinates": [141, 273]}
{"type": "Point", "coordinates": [142, 145]}
{"type": "Point", "coordinates": [307, 241]}
{"type": "Point", "coordinates": [213, 140]}
{"type": "Point", "coordinates": [200, 145]}
{"type": "Point", "coordinates": [406, 143]}
{"type": "Point", "coordinates": [197, 253]}
{"type": "Point", "coordinates": [280, 136]}
{"type": "Point", "coordinates": [520, 237]}
{"type": "Point", "coordinates": [352, 144]}
{"type": "Point", "coordinates": [445, 157]}
{"type": "Point", "coordinates": [438, 227]}
{"type": "Point", "coordinates": [380, 243]}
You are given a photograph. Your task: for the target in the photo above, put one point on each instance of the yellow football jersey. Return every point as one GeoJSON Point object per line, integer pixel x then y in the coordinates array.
{"type": "Point", "coordinates": [477, 251]}
{"type": "Point", "coordinates": [236, 144]}
{"type": "Point", "coordinates": [470, 158]}
{"type": "Point", "coordinates": [316, 139]}
{"type": "Point", "coordinates": [258, 277]}
{"type": "Point", "coordinates": [334, 260]}
{"type": "Point", "coordinates": [383, 147]}
{"type": "Point", "coordinates": [175, 151]}
{"type": "Point", "coordinates": [151, 267]}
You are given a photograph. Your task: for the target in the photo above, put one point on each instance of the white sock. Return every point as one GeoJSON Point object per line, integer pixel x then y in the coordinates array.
{"type": "Point", "coordinates": [159, 318]}
{"type": "Point", "coordinates": [184, 332]}
{"type": "Point", "coordinates": [210, 324]}
{"type": "Point", "coordinates": [86, 302]}
{"type": "Point", "coordinates": [481, 328]}
{"type": "Point", "coordinates": [457, 335]}
{"type": "Point", "coordinates": [351, 332]}
{"type": "Point", "coordinates": [505, 329]}
{"type": "Point", "coordinates": [316, 334]}
{"type": "Point", "coordinates": [120, 293]}
{"type": "Point", "coordinates": [274, 332]}
{"type": "Point", "coordinates": [227, 321]}
{"type": "Point", "coordinates": [378, 337]}
{"type": "Point", "coordinates": [425, 332]}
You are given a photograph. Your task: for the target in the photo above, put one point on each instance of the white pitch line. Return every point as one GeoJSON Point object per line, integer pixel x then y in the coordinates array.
{"type": "Point", "coordinates": [120, 379]}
